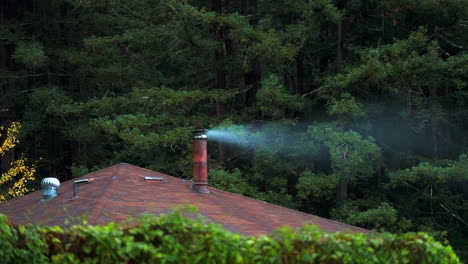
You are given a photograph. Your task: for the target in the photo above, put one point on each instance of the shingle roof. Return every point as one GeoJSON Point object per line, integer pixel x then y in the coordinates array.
{"type": "Point", "coordinates": [121, 191]}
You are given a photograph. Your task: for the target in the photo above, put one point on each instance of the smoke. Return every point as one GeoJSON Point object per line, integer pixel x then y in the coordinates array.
{"type": "Point", "coordinates": [397, 136]}
{"type": "Point", "coordinates": [228, 135]}
{"type": "Point", "coordinates": [275, 137]}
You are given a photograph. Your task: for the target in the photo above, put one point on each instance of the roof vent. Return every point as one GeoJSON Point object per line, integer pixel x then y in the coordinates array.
{"type": "Point", "coordinates": [78, 182]}
{"type": "Point", "coordinates": [49, 188]}
{"type": "Point", "coordinates": [153, 178]}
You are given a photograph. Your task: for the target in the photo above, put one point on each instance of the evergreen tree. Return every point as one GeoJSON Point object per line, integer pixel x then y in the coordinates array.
{"type": "Point", "coordinates": [370, 95]}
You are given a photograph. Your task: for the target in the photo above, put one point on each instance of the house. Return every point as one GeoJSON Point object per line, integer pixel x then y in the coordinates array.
{"type": "Point", "coordinates": [123, 190]}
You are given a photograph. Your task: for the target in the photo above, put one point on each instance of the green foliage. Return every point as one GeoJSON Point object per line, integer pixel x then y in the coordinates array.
{"type": "Point", "coordinates": [431, 195]}
{"type": "Point", "coordinates": [374, 218]}
{"type": "Point", "coordinates": [311, 186]}
{"type": "Point", "coordinates": [30, 54]}
{"type": "Point", "coordinates": [33, 243]}
{"type": "Point", "coordinates": [52, 100]}
{"type": "Point", "coordinates": [369, 214]}
{"type": "Point", "coordinates": [231, 182]}
{"type": "Point", "coordinates": [176, 239]}
{"type": "Point", "coordinates": [274, 101]}
{"type": "Point", "coordinates": [351, 156]}
{"type": "Point", "coordinates": [425, 174]}
{"type": "Point", "coordinates": [100, 82]}
{"type": "Point", "coordinates": [346, 106]}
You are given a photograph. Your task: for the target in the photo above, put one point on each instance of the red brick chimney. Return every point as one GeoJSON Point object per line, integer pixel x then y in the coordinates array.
{"type": "Point", "coordinates": [200, 161]}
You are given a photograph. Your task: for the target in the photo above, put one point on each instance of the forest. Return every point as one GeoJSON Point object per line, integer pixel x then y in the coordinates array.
{"type": "Point", "coordinates": [354, 110]}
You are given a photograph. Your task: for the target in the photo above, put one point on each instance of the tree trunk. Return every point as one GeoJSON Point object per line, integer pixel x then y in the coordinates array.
{"type": "Point", "coordinates": [243, 7]}
{"type": "Point", "coordinates": [341, 51]}
{"type": "Point", "coordinates": [434, 125]}
{"type": "Point", "coordinates": [254, 77]}
{"type": "Point", "coordinates": [323, 61]}
{"type": "Point", "coordinates": [220, 75]}
{"type": "Point", "coordinates": [342, 188]}
{"type": "Point", "coordinates": [67, 162]}
{"type": "Point", "coordinates": [341, 191]}
{"type": "Point", "coordinates": [299, 73]}
{"type": "Point", "coordinates": [5, 85]}
{"type": "Point", "coordinates": [380, 178]}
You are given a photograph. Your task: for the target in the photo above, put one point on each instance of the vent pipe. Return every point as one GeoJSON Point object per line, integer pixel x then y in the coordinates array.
{"type": "Point", "coordinates": [49, 188]}
{"type": "Point", "coordinates": [200, 161]}
{"type": "Point", "coordinates": [78, 182]}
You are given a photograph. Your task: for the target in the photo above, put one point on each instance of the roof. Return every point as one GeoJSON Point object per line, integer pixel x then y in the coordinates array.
{"type": "Point", "coordinates": [121, 191]}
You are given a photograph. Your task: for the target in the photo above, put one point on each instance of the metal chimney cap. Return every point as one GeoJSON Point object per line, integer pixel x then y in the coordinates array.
{"type": "Point", "coordinates": [50, 183]}
{"type": "Point", "coordinates": [200, 134]}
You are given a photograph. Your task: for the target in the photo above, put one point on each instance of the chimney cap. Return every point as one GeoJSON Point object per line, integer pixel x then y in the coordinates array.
{"type": "Point", "coordinates": [200, 134]}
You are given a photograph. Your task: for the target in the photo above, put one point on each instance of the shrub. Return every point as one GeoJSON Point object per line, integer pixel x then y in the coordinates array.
{"type": "Point", "coordinates": [174, 238]}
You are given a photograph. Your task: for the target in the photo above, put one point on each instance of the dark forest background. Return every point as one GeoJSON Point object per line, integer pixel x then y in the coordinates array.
{"type": "Point", "coordinates": [357, 108]}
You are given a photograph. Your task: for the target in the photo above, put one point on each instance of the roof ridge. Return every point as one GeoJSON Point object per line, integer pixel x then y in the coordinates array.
{"type": "Point", "coordinates": [91, 174]}
{"type": "Point", "coordinates": [100, 203]}
{"type": "Point", "coordinates": [151, 171]}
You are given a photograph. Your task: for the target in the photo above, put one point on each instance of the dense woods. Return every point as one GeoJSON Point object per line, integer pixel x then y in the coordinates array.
{"type": "Point", "coordinates": [355, 110]}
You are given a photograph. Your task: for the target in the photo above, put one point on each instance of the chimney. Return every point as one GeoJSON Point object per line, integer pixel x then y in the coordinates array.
{"type": "Point", "coordinates": [200, 161]}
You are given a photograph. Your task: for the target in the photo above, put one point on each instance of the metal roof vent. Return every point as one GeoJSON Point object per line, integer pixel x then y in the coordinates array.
{"type": "Point", "coordinates": [151, 178]}
{"type": "Point", "coordinates": [49, 188]}
{"type": "Point", "coordinates": [78, 182]}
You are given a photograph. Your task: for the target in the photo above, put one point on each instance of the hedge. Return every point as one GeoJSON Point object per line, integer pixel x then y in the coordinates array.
{"type": "Point", "coordinates": [174, 238]}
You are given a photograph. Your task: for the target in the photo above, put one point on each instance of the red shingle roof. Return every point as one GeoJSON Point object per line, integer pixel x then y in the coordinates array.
{"type": "Point", "coordinates": [121, 191]}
